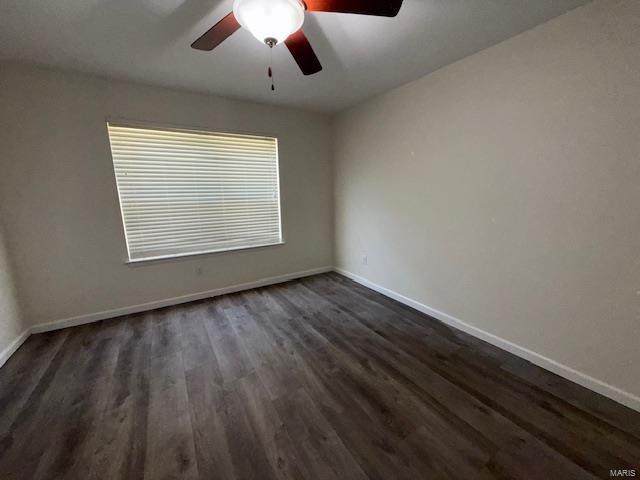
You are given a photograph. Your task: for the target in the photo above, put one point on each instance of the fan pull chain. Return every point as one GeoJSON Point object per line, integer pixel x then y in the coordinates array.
{"type": "Point", "coordinates": [270, 71]}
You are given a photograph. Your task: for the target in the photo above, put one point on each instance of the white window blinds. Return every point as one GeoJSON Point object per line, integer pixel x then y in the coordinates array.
{"type": "Point", "coordinates": [186, 192]}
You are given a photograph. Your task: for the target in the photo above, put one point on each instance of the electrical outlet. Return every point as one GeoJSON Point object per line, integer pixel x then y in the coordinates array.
{"type": "Point", "coordinates": [199, 271]}
{"type": "Point", "coordinates": [365, 260]}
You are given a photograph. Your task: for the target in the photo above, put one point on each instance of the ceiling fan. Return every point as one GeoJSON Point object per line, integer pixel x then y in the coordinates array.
{"type": "Point", "coordinates": [275, 21]}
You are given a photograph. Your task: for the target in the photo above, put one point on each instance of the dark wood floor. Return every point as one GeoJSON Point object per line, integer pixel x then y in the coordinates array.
{"type": "Point", "coordinates": [313, 379]}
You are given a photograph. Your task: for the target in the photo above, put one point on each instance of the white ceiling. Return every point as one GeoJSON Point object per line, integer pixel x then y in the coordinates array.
{"type": "Point", "coordinates": [148, 41]}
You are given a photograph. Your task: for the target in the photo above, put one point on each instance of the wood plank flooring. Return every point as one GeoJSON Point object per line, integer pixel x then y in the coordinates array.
{"type": "Point", "coordinates": [318, 378]}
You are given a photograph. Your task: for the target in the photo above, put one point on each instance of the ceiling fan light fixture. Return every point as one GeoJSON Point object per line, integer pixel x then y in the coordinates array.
{"type": "Point", "coordinates": [269, 20]}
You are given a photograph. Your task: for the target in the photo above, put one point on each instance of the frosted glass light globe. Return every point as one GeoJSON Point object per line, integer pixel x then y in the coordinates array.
{"type": "Point", "coordinates": [270, 19]}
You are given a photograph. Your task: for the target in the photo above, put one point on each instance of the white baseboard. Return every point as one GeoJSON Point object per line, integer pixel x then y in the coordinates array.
{"type": "Point", "coordinates": [614, 393]}
{"type": "Point", "coordinates": [13, 346]}
{"type": "Point", "coordinates": [143, 307]}
{"type": "Point", "coordinates": [617, 394]}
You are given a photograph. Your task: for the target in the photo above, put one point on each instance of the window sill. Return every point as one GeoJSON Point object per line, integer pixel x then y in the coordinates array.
{"type": "Point", "coordinates": [186, 256]}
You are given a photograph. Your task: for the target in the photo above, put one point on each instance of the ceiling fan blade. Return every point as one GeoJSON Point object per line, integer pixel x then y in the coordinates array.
{"type": "Point", "coordinates": [381, 8]}
{"type": "Point", "coordinates": [217, 34]}
{"type": "Point", "coordinates": [303, 53]}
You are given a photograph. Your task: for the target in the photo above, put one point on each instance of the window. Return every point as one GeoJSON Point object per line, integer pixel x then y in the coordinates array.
{"type": "Point", "coordinates": [187, 192]}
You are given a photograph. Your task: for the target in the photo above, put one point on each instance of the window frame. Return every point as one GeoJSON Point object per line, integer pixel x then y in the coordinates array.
{"type": "Point", "coordinates": [125, 123]}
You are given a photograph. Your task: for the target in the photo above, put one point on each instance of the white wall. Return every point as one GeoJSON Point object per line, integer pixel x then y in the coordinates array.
{"type": "Point", "coordinates": [59, 202]}
{"type": "Point", "coordinates": [504, 190]}
{"type": "Point", "coordinates": [11, 324]}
